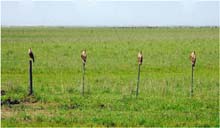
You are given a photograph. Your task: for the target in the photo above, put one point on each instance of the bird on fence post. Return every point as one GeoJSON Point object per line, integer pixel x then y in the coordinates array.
{"type": "Point", "coordinates": [193, 61]}
{"type": "Point", "coordinates": [193, 58]}
{"type": "Point", "coordinates": [31, 55]}
{"type": "Point", "coordinates": [140, 60]}
{"type": "Point", "coordinates": [83, 56]}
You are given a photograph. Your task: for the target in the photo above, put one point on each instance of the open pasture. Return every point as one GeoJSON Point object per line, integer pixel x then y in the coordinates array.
{"type": "Point", "coordinates": [110, 77]}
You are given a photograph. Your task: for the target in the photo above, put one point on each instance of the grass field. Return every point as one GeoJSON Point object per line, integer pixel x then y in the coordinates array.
{"type": "Point", "coordinates": [111, 77]}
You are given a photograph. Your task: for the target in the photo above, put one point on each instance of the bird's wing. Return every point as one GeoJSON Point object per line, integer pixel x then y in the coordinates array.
{"type": "Point", "coordinates": [190, 56]}
{"type": "Point", "coordinates": [83, 58]}
{"type": "Point", "coordinates": [33, 57]}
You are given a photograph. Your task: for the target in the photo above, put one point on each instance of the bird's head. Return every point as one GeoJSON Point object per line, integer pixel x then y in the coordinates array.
{"type": "Point", "coordinates": [83, 51]}
{"type": "Point", "coordinates": [139, 53]}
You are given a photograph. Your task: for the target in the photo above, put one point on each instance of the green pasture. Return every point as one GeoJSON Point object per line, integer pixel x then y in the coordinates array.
{"type": "Point", "coordinates": [111, 76]}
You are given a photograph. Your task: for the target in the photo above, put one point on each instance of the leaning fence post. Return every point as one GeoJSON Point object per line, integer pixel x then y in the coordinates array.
{"type": "Point", "coordinates": [140, 60]}
{"type": "Point", "coordinates": [193, 61]}
{"type": "Point", "coordinates": [83, 56]}
{"type": "Point", "coordinates": [31, 55]}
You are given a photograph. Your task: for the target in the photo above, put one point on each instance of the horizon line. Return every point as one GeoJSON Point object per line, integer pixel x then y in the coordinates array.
{"type": "Point", "coordinates": [119, 26]}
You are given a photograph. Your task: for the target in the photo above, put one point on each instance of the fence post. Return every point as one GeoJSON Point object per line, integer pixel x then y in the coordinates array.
{"type": "Point", "coordinates": [191, 90]}
{"type": "Point", "coordinates": [138, 80]}
{"type": "Point", "coordinates": [30, 78]}
{"type": "Point", "coordinates": [83, 78]}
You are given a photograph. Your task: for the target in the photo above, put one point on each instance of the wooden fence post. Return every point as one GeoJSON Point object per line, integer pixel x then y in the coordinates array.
{"type": "Point", "coordinates": [83, 78]}
{"type": "Point", "coordinates": [191, 89]}
{"type": "Point", "coordinates": [30, 78]}
{"type": "Point", "coordinates": [138, 80]}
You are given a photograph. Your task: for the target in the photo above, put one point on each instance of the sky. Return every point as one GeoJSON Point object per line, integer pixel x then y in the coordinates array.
{"type": "Point", "coordinates": [110, 12]}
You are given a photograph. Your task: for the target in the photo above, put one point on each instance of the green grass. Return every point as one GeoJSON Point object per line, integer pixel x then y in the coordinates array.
{"type": "Point", "coordinates": [111, 76]}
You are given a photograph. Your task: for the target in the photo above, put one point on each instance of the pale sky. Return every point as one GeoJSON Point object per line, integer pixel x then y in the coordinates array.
{"type": "Point", "coordinates": [110, 12]}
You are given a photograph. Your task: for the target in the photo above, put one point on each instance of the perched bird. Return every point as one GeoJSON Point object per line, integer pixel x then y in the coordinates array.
{"type": "Point", "coordinates": [83, 56]}
{"type": "Point", "coordinates": [193, 58]}
{"type": "Point", "coordinates": [31, 54]}
{"type": "Point", "coordinates": [140, 58]}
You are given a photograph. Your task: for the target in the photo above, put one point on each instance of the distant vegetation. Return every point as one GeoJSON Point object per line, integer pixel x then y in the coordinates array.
{"type": "Point", "coordinates": [110, 77]}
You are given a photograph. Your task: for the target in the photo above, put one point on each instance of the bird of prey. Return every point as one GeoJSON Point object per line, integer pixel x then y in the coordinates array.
{"type": "Point", "coordinates": [140, 58]}
{"type": "Point", "coordinates": [31, 54]}
{"type": "Point", "coordinates": [83, 56]}
{"type": "Point", "coordinates": [193, 58]}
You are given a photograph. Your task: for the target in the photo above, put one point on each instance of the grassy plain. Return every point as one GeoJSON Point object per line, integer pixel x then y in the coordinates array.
{"type": "Point", "coordinates": [111, 76]}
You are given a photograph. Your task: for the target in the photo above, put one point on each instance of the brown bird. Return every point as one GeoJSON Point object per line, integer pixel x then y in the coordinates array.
{"type": "Point", "coordinates": [193, 58]}
{"type": "Point", "coordinates": [140, 58]}
{"type": "Point", "coordinates": [31, 54]}
{"type": "Point", "coordinates": [83, 56]}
